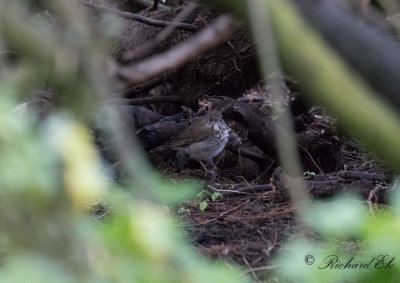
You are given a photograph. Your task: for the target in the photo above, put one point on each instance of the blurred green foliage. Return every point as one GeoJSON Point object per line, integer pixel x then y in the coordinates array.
{"type": "Point", "coordinates": [345, 233]}
{"type": "Point", "coordinates": [344, 228]}
{"type": "Point", "coordinates": [51, 175]}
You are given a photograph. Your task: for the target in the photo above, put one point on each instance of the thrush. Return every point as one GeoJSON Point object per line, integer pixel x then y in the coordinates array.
{"type": "Point", "coordinates": [204, 138]}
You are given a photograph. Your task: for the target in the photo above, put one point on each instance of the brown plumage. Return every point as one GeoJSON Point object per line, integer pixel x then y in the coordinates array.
{"type": "Point", "coordinates": [204, 138]}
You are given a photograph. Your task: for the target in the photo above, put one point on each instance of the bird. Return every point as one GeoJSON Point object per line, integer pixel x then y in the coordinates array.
{"type": "Point", "coordinates": [203, 139]}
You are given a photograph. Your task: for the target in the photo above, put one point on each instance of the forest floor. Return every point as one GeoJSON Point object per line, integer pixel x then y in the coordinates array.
{"type": "Point", "coordinates": [250, 227]}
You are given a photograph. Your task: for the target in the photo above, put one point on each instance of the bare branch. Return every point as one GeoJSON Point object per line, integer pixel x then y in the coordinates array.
{"type": "Point", "coordinates": [148, 47]}
{"type": "Point", "coordinates": [242, 190]}
{"type": "Point", "coordinates": [146, 100]}
{"type": "Point", "coordinates": [209, 37]}
{"type": "Point", "coordinates": [136, 89]}
{"type": "Point", "coordinates": [139, 18]}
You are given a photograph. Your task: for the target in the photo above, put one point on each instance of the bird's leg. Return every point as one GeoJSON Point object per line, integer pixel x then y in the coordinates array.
{"type": "Point", "coordinates": [214, 166]}
{"type": "Point", "coordinates": [204, 167]}
{"type": "Point", "coordinates": [212, 173]}
{"type": "Point", "coordinates": [210, 162]}
{"type": "Point", "coordinates": [215, 163]}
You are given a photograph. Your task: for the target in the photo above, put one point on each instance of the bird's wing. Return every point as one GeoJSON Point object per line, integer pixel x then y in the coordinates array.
{"type": "Point", "coordinates": [194, 133]}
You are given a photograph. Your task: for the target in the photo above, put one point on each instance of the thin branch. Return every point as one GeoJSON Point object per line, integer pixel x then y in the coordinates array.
{"type": "Point", "coordinates": [146, 48]}
{"type": "Point", "coordinates": [250, 269]}
{"type": "Point", "coordinates": [136, 89]}
{"type": "Point", "coordinates": [209, 37]}
{"type": "Point", "coordinates": [373, 193]}
{"type": "Point", "coordinates": [268, 267]}
{"type": "Point", "coordinates": [312, 159]}
{"type": "Point", "coordinates": [242, 190]}
{"type": "Point", "coordinates": [215, 218]}
{"type": "Point", "coordinates": [139, 18]}
{"type": "Point", "coordinates": [259, 158]}
{"type": "Point", "coordinates": [224, 213]}
{"type": "Point", "coordinates": [253, 155]}
{"type": "Point", "coordinates": [146, 100]}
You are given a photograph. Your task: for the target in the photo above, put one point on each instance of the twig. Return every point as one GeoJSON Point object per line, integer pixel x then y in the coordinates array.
{"type": "Point", "coordinates": [270, 248]}
{"type": "Point", "coordinates": [147, 47]}
{"type": "Point", "coordinates": [222, 214]}
{"type": "Point", "coordinates": [373, 193]}
{"type": "Point", "coordinates": [207, 38]}
{"type": "Point", "coordinates": [253, 155]}
{"type": "Point", "coordinates": [139, 18]}
{"type": "Point", "coordinates": [232, 209]}
{"type": "Point", "coordinates": [146, 100]}
{"type": "Point", "coordinates": [139, 88]}
{"type": "Point", "coordinates": [243, 190]}
{"type": "Point", "coordinates": [226, 191]}
{"type": "Point", "coordinates": [250, 269]}
{"type": "Point", "coordinates": [312, 159]}
{"type": "Point", "coordinates": [268, 267]}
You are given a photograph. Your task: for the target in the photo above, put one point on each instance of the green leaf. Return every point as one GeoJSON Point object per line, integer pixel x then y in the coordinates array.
{"type": "Point", "coordinates": [203, 205]}
{"type": "Point", "coordinates": [203, 193]}
{"type": "Point", "coordinates": [215, 196]}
